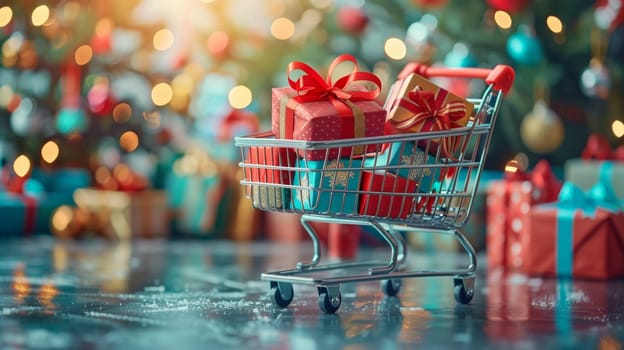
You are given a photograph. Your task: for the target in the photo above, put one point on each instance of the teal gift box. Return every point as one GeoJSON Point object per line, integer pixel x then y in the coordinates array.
{"type": "Point", "coordinates": [405, 160]}
{"type": "Point", "coordinates": [328, 187]}
{"type": "Point", "coordinates": [24, 214]}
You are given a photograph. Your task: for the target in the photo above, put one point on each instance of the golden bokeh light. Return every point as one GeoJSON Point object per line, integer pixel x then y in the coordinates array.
{"type": "Point", "coordinates": [83, 55]}
{"type": "Point", "coordinates": [129, 141]}
{"type": "Point", "coordinates": [21, 166]}
{"type": "Point", "coordinates": [6, 15]}
{"type": "Point", "coordinates": [50, 152]}
{"type": "Point", "coordinates": [163, 39]}
{"type": "Point", "coordinates": [554, 24]}
{"type": "Point", "coordinates": [218, 42]}
{"type": "Point", "coordinates": [618, 128]}
{"type": "Point", "coordinates": [122, 112]}
{"type": "Point", "coordinates": [122, 172]}
{"type": "Point", "coordinates": [40, 15]}
{"type": "Point", "coordinates": [62, 217]}
{"type": "Point", "coordinates": [162, 94]}
{"type": "Point", "coordinates": [240, 97]}
{"type": "Point", "coordinates": [395, 48]}
{"type": "Point", "coordinates": [503, 19]}
{"type": "Point", "coordinates": [282, 28]}
{"type": "Point", "coordinates": [182, 84]}
{"type": "Point", "coordinates": [512, 166]}
{"type": "Point", "coordinates": [102, 175]}
{"type": "Point", "coordinates": [104, 26]}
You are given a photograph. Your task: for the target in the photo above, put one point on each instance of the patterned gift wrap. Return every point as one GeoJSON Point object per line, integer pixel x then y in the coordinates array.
{"type": "Point", "coordinates": [318, 109]}
{"type": "Point", "coordinates": [327, 187]}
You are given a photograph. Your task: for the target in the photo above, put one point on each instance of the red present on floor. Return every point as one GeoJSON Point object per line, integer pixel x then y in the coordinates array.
{"type": "Point", "coordinates": [508, 204]}
{"type": "Point", "coordinates": [381, 195]}
{"type": "Point", "coordinates": [580, 236]}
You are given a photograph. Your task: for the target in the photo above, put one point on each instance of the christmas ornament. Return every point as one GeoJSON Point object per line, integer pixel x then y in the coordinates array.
{"type": "Point", "coordinates": [352, 19]}
{"type": "Point", "coordinates": [26, 120]}
{"type": "Point", "coordinates": [541, 130]}
{"type": "Point", "coordinates": [510, 6]}
{"type": "Point", "coordinates": [524, 47]}
{"type": "Point", "coordinates": [595, 80]}
{"type": "Point", "coordinates": [71, 118]}
{"type": "Point", "coordinates": [459, 56]}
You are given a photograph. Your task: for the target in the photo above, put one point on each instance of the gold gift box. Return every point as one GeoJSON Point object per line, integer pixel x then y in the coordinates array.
{"type": "Point", "coordinates": [127, 215]}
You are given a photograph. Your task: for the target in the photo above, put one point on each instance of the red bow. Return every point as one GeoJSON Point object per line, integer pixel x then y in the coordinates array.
{"type": "Point", "coordinates": [312, 87]}
{"type": "Point", "coordinates": [598, 148]}
{"type": "Point", "coordinates": [432, 113]}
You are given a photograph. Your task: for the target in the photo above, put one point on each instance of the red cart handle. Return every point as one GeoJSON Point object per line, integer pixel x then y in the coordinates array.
{"type": "Point", "coordinates": [501, 76]}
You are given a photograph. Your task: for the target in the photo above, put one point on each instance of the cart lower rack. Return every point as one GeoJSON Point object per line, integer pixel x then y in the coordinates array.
{"type": "Point", "coordinates": [426, 191]}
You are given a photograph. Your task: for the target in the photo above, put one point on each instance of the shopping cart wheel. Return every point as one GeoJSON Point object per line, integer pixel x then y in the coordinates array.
{"type": "Point", "coordinates": [391, 287]}
{"type": "Point", "coordinates": [282, 293]}
{"type": "Point", "coordinates": [464, 290]}
{"type": "Point", "coordinates": [329, 299]}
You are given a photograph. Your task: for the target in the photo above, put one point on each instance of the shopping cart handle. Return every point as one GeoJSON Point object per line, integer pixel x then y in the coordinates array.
{"type": "Point", "coordinates": [501, 76]}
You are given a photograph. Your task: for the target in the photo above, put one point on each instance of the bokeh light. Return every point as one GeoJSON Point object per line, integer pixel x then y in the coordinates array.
{"type": "Point", "coordinates": [218, 42]}
{"type": "Point", "coordinates": [83, 55]}
{"type": "Point", "coordinates": [6, 14]}
{"type": "Point", "coordinates": [618, 128]}
{"type": "Point", "coordinates": [21, 166]}
{"type": "Point", "coordinates": [122, 112]}
{"type": "Point", "coordinates": [503, 19]}
{"type": "Point", "coordinates": [40, 15]}
{"type": "Point", "coordinates": [163, 39]}
{"type": "Point", "coordinates": [129, 141]}
{"type": "Point", "coordinates": [282, 28]}
{"type": "Point", "coordinates": [554, 24]}
{"type": "Point", "coordinates": [50, 152]}
{"type": "Point", "coordinates": [62, 217]}
{"type": "Point", "coordinates": [182, 84]}
{"type": "Point", "coordinates": [162, 94]}
{"type": "Point", "coordinates": [240, 97]}
{"type": "Point", "coordinates": [395, 48]}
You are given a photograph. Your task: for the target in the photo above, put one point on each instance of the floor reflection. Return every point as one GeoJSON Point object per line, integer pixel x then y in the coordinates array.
{"type": "Point", "coordinates": [161, 294]}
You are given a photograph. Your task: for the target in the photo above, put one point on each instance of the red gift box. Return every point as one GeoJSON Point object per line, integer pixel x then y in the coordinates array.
{"type": "Point", "coordinates": [575, 237]}
{"type": "Point", "coordinates": [269, 165]}
{"type": "Point", "coordinates": [392, 205]}
{"type": "Point", "coordinates": [508, 204]}
{"type": "Point", "coordinates": [317, 109]}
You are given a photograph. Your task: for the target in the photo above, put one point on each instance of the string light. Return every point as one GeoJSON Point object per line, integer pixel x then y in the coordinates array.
{"type": "Point", "coordinates": [50, 152]}
{"type": "Point", "coordinates": [618, 128]}
{"type": "Point", "coordinates": [6, 14]}
{"type": "Point", "coordinates": [122, 112]}
{"type": "Point", "coordinates": [395, 48]}
{"type": "Point", "coordinates": [512, 166]}
{"type": "Point", "coordinates": [162, 94]}
{"type": "Point", "coordinates": [503, 19]}
{"type": "Point", "coordinates": [83, 55]}
{"type": "Point", "coordinates": [282, 28]}
{"type": "Point", "coordinates": [554, 24]}
{"type": "Point", "coordinates": [21, 165]}
{"type": "Point", "coordinates": [163, 39]}
{"type": "Point", "coordinates": [129, 141]}
{"type": "Point", "coordinates": [40, 15]}
{"type": "Point", "coordinates": [240, 97]}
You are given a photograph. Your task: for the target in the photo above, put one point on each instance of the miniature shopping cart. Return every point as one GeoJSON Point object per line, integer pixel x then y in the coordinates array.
{"type": "Point", "coordinates": [366, 191]}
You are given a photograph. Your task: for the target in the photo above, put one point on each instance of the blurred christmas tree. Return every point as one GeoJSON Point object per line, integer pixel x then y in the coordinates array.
{"type": "Point", "coordinates": [95, 83]}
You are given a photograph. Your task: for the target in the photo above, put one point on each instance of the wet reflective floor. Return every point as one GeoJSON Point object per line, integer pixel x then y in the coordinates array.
{"type": "Point", "coordinates": [208, 294]}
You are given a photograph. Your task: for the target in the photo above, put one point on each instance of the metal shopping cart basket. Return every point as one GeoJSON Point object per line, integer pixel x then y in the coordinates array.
{"type": "Point", "coordinates": [280, 177]}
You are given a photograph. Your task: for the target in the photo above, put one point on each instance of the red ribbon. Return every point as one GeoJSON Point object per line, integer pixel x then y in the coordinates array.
{"type": "Point", "coordinates": [542, 178]}
{"type": "Point", "coordinates": [312, 87]}
{"type": "Point", "coordinates": [598, 148]}
{"type": "Point", "coordinates": [429, 109]}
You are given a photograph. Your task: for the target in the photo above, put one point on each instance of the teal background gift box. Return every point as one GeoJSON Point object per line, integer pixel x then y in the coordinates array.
{"type": "Point", "coordinates": [406, 160]}
{"type": "Point", "coordinates": [327, 187]}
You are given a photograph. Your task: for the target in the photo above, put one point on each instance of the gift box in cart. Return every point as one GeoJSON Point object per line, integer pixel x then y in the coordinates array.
{"type": "Point", "coordinates": [443, 209]}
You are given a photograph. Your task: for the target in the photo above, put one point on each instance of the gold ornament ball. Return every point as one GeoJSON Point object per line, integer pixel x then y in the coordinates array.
{"type": "Point", "coordinates": [541, 130]}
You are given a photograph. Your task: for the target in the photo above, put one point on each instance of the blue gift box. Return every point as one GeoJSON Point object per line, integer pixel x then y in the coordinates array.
{"type": "Point", "coordinates": [23, 214]}
{"type": "Point", "coordinates": [327, 187]}
{"type": "Point", "coordinates": [406, 160]}
{"type": "Point", "coordinates": [62, 180]}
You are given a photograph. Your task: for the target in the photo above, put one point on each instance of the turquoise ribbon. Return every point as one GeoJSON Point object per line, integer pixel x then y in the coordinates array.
{"type": "Point", "coordinates": [571, 199]}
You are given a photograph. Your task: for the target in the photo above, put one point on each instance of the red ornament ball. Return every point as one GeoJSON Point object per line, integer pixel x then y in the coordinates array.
{"type": "Point", "coordinates": [510, 6]}
{"type": "Point", "coordinates": [352, 19]}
